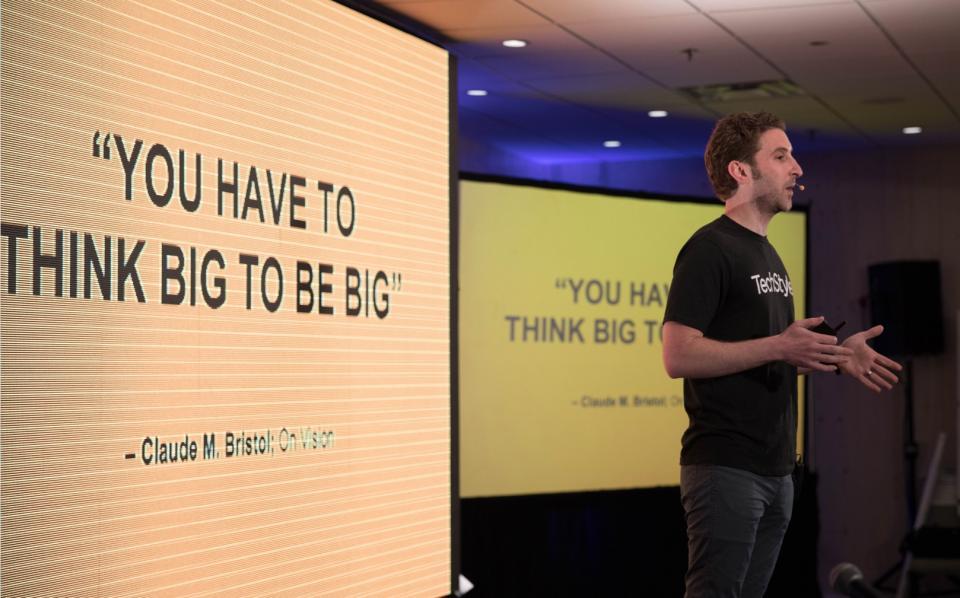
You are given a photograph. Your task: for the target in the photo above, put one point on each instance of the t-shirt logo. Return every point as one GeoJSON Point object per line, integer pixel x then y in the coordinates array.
{"type": "Point", "coordinates": [773, 283]}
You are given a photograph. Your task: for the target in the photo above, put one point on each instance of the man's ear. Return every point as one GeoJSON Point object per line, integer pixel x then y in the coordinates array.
{"type": "Point", "coordinates": [740, 171]}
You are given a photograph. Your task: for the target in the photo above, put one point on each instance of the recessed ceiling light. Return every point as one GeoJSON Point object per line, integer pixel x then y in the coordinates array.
{"type": "Point", "coordinates": [912, 130]}
{"type": "Point", "coordinates": [611, 143]}
{"type": "Point", "coordinates": [514, 43]}
{"type": "Point", "coordinates": [476, 92]}
{"type": "Point", "coordinates": [657, 113]}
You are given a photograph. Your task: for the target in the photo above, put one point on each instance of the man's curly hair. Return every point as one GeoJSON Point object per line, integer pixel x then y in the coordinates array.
{"type": "Point", "coordinates": [735, 137]}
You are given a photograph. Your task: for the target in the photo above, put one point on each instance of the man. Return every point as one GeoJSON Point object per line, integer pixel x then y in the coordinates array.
{"type": "Point", "coordinates": [730, 333]}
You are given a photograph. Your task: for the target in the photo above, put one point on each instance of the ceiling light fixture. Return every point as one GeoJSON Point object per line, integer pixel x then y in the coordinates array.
{"type": "Point", "coordinates": [514, 43]}
{"type": "Point", "coordinates": [657, 113]}
{"type": "Point", "coordinates": [912, 130]}
{"type": "Point", "coordinates": [611, 143]}
{"type": "Point", "coordinates": [476, 92]}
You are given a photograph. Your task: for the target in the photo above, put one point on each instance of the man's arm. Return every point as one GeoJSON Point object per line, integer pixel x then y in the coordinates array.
{"type": "Point", "coordinates": [687, 353]}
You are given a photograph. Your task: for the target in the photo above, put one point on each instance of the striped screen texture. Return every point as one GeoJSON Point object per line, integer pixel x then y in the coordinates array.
{"type": "Point", "coordinates": [225, 301]}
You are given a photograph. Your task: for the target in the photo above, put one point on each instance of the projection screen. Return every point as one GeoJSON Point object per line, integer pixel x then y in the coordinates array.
{"type": "Point", "coordinates": [226, 301]}
{"type": "Point", "coordinates": [562, 294]}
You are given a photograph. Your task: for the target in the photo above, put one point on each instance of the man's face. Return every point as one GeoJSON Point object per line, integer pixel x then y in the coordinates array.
{"type": "Point", "coordinates": [776, 172]}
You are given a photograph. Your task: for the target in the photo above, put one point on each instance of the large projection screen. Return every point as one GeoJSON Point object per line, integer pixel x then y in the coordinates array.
{"type": "Point", "coordinates": [562, 294]}
{"type": "Point", "coordinates": [226, 301]}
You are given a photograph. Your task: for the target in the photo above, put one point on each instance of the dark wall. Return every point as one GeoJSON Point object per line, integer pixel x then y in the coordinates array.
{"type": "Point", "coordinates": [870, 207]}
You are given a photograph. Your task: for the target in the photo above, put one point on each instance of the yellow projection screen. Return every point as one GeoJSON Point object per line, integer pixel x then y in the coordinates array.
{"type": "Point", "coordinates": [226, 301]}
{"type": "Point", "coordinates": [562, 294]}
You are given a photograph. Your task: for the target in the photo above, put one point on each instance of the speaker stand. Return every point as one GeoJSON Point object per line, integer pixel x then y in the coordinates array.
{"type": "Point", "coordinates": [910, 448]}
{"type": "Point", "coordinates": [910, 451]}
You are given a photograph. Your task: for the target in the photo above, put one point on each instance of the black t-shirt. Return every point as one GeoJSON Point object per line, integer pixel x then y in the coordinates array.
{"type": "Point", "coordinates": [730, 284]}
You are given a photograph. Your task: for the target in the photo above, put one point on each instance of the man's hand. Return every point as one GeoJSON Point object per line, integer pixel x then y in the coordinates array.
{"type": "Point", "coordinates": [809, 350]}
{"type": "Point", "coordinates": [872, 369]}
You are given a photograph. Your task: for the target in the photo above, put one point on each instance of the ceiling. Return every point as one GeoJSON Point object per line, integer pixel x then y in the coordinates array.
{"type": "Point", "coordinates": [592, 70]}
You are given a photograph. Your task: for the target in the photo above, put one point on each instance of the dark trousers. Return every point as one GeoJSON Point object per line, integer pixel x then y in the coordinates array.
{"type": "Point", "coordinates": [736, 521]}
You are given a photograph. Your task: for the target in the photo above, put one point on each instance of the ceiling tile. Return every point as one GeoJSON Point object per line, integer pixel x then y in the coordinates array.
{"type": "Point", "coordinates": [714, 70]}
{"type": "Point", "coordinates": [578, 11]}
{"type": "Point", "coordinates": [627, 90]}
{"type": "Point", "coordinates": [858, 63]}
{"type": "Point", "coordinates": [951, 91]}
{"type": "Point", "coordinates": [869, 89]}
{"type": "Point", "coordinates": [878, 119]}
{"type": "Point", "coordinates": [724, 5]}
{"type": "Point", "coordinates": [841, 70]}
{"type": "Point", "coordinates": [531, 65]}
{"type": "Point", "coordinates": [784, 35]}
{"type": "Point", "coordinates": [659, 43]}
{"type": "Point", "coordinates": [462, 14]}
{"type": "Point", "coordinates": [927, 32]}
{"type": "Point", "coordinates": [488, 41]}
{"type": "Point", "coordinates": [800, 114]}
{"type": "Point", "coordinates": [920, 25]}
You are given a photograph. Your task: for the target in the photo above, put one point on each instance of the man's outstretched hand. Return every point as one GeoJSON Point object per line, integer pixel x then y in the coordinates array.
{"type": "Point", "coordinates": [811, 351]}
{"type": "Point", "coordinates": [873, 370]}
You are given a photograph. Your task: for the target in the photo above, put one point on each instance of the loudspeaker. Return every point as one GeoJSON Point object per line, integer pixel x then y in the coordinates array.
{"type": "Point", "coordinates": [905, 298]}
